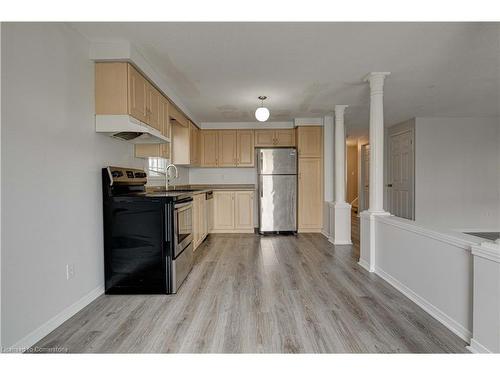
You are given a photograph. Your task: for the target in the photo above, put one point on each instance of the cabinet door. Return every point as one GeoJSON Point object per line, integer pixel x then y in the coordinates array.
{"type": "Point", "coordinates": [264, 138]}
{"type": "Point", "coordinates": [223, 210]}
{"type": "Point", "coordinates": [196, 221]}
{"type": "Point", "coordinates": [203, 217]}
{"type": "Point", "coordinates": [245, 148]}
{"type": "Point", "coordinates": [194, 144]}
{"type": "Point", "coordinates": [284, 137]}
{"type": "Point", "coordinates": [209, 148]}
{"type": "Point", "coordinates": [210, 215]}
{"type": "Point", "coordinates": [243, 210]}
{"type": "Point", "coordinates": [310, 194]}
{"type": "Point", "coordinates": [137, 94]}
{"type": "Point", "coordinates": [310, 141]}
{"type": "Point", "coordinates": [147, 151]}
{"type": "Point", "coordinates": [165, 129]}
{"type": "Point", "coordinates": [154, 107]}
{"type": "Point", "coordinates": [227, 148]}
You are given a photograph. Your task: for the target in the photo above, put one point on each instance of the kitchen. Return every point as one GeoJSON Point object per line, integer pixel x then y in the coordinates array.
{"type": "Point", "coordinates": [125, 96]}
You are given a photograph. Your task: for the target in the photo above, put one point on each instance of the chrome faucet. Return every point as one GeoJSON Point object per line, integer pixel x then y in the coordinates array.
{"type": "Point", "coordinates": [166, 174]}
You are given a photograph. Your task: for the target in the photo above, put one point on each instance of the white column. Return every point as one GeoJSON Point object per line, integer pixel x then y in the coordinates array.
{"type": "Point", "coordinates": [367, 218]}
{"type": "Point", "coordinates": [341, 209]}
{"type": "Point", "coordinates": [328, 165]}
{"type": "Point", "coordinates": [376, 140]}
{"type": "Point", "coordinates": [340, 180]}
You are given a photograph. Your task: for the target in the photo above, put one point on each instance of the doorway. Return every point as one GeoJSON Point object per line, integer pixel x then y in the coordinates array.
{"type": "Point", "coordinates": [400, 170]}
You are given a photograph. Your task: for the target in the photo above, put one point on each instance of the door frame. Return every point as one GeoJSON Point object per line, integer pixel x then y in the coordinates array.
{"type": "Point", "coordinates": [403, 127]}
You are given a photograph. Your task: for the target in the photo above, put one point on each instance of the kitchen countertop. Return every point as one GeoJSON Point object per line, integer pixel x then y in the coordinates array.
{"type": "Point", "coordinates": [219, 186]}
{"type": "Point", "coordinates": [200, 189]}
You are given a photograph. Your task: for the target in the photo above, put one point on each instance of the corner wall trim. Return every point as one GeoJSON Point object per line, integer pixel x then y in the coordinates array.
{"type": "Point", "coordinates": [39, 333]}
{"type": "Point", "coordinates": [432, 310]}
{"type": "Point", "coordinates": [363, 263]}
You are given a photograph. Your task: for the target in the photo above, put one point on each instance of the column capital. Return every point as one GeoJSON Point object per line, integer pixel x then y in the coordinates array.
{"type": "Point", "coordinates": [340, 108]}
{"type": "Point", "coordinates": [374, 75]}
{"type": "Point", "coordinates": [376, 80]}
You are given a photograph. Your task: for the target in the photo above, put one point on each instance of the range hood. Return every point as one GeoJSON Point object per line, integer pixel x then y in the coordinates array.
{"type": "Point", "coordinates": [128, 128]}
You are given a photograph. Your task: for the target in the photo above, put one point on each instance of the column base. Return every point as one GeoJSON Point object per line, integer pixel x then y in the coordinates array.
{"type": "Point", "coordinates": [341, 228]}
{"type": "Point", "coordinates": [367, 238]}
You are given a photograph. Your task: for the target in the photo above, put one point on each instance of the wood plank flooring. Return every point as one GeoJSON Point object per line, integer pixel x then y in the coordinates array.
{"type": "Point", "coordinates": [254, 294]}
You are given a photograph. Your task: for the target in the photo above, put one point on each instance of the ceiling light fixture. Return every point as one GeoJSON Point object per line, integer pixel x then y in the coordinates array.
{"type": "Point", "coordinates": [262, 113]}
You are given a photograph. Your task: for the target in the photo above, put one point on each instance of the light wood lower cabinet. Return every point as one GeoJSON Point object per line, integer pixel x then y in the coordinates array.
{"type": "Point", "coordinates": [243, 210]}
{"type": "Point", "coordinates": [233, 212]}
{"type": "Point", "coordinates": [310, 210]}
{"type": "Point", "coordinates": [200, 225]}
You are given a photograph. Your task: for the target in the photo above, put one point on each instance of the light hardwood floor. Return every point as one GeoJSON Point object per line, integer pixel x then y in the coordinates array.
{"type": "Point", "coordinates": [276, 294]}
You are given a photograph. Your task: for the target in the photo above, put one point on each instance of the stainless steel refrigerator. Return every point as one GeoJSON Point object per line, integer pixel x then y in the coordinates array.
{"type": "Point", "coordinates": [277, 177]}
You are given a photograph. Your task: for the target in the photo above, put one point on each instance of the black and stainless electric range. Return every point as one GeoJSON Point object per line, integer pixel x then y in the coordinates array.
{"type": "Point", "coordinates": [147, 236]}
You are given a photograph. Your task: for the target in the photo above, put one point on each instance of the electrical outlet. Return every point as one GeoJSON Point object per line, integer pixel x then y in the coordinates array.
{"type": "Point", "coordinates": [70, 271]}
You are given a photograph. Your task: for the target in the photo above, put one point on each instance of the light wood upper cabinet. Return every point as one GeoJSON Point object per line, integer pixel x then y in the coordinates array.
{"type": "Point", "coordinates": [274, 138]}
{"type": "Point", "coordinates": [137, 95]}
{"type": "Point", "coordinates": [153, 107]}
{"type": "Point", "coordinates": [181, 140]}
{"type": "Point", "coordinates": [223, 210]}
{"type": "Point", "coordinates": [194, 144]}
{"type": "Point", "coordinates": [264, 138]}
{"type": "Point", "coordinates": [209, 148]}
{"type": "Point", "coordinates": [284, 137]}
{"type": "Point", "coordinates": [178, 116]}
{"type": "Point", "coordinates": [310, 209]}
{"type": "Point", "coordinates": [245, 148]}
{"type": "Point", "coordinates": [158, 150]}
{"type": "Point", "coordinates": [310, 141]}
{"type": "Point", "coordinates": [111, 88]}
{"type": "Point", "coordinates": [243, 218]}
{"type": "Point", "coordinates": [166, 128]}
{"type": "Point", "coordinates": [227, 148]}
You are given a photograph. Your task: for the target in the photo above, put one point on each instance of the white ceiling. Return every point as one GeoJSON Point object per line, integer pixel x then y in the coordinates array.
{"type": "Point", "coordinates": [219, 69]}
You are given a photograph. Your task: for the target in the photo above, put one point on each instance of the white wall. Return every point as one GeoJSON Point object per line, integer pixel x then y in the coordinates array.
{"type": "Point", "coordinates": [432, 268]}
{"type": "Point", "coordinates": [222, 176]}
{"type": "Point", "coordinates": [456, 173]}
{"type": "Point", "coordinates": [51, 162]}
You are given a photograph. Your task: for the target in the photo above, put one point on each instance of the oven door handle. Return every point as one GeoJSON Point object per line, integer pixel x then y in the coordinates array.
{"type": "Point", "coordinates": [168, 224]}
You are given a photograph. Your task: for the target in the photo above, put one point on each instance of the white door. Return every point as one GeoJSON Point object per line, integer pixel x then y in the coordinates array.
{"type": "Point", "coordinates": [400, 173]}
{"type": "Point", "coordinates": [364, 202]}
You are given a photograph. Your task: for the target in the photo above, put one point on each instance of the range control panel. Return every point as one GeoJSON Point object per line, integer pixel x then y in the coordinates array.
{"type": "Point", "coordinates": [127, 176]}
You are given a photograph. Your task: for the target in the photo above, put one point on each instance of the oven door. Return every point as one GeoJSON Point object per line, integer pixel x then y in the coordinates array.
{"type": "Point", "coordinates": [183, 226]}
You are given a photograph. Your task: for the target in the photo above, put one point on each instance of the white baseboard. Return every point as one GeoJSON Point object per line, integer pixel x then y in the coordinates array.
{"type": "Point", "coordinates": [340, 242]}
{"type": "Point", "coordinates": [363, 263]}
{"type": "Point", "coordinates": [476, 347]}
{"type": "Point", "coordinates": [39, 333]}
{"type": "Point", "coordinates": [325, 233]}
{"type": "Point", "coordinates": [435, 312]}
